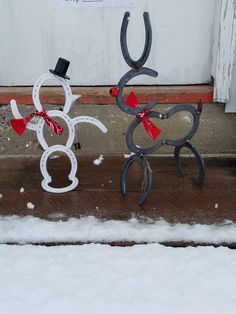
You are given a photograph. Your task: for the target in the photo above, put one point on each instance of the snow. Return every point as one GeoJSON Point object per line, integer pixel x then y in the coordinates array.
{"type": "Point", "coordinates": [89, 229]}
{"type": "Point", "coordinates": [30, 205]}
{"type": "Point", "coordinates": [1, 195]}
{"type": "Point", "coordinates": [128, 155]}
{"type": "Point", "coordinates": [54, 156]}
{"type": "Point", "coordinates": [98, 161]}
{"type": "Point", "coordinates": [96, 279]}
{"type": "Point", "coordinates": [22, 190]}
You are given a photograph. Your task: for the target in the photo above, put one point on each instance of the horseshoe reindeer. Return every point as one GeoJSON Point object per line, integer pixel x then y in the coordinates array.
{"type": "Point", "coordinates": [36, 122]}
{"type": "Point", "coordinates": [144, 113]}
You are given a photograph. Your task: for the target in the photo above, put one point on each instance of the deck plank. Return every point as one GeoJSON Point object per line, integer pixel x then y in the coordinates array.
{"type": "Point", "coordinates": [177, 200]}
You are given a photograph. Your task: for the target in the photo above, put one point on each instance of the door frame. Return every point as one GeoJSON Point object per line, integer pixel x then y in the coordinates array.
{"type": "Point", "coordinates": [224, 50]}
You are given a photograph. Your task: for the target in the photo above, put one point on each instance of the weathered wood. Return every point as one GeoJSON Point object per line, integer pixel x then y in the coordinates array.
{"type": "Point", "coordinates": [100, 95]}
{"type": "Point", "coordinates": [225, 51]}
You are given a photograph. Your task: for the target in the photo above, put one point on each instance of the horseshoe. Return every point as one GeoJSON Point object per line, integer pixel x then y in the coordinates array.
{"type": "Point", "coordinates": [130, 133]}
{"type": "Point", "coordinates": [31, 126]}
{"type": "Point", "coordinates": [124, 80]}
{"type": "Point", "coordinates": [87, 119]}
{"type": "Point", "coordinates": [147, 46]}
{"type": "Point", "coordinates": [155, 114]}
{"type": "Point", "coordinates": [48, 179]}
{"type": "Point", "coordinates": [196, 120]}
{"type": "Point", "coordinates": [147, 183]}
{"type": "Point", "coordinates": [68, 121]}
{"type": "Point", "coordinates": [49, 76]}
{"type": "Point", "coordinates": [201, 164]}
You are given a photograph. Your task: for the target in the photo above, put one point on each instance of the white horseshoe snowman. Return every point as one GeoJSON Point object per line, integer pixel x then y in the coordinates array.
{"type": "Point", "coordinates": [40, 116]}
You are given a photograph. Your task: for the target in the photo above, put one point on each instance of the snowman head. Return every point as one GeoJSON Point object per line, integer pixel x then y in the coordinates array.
{"type": "Point", "coordinates": [58, 75]}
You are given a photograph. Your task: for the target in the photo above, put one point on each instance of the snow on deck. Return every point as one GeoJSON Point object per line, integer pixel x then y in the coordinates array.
{"type": "Point", "coordinates": [14, 229]}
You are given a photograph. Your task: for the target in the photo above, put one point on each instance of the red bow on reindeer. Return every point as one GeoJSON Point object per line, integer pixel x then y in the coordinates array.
{"type": "Point", "coordinates": [132, 101]}
{"type": "Point", "coordinates": [19, 125]}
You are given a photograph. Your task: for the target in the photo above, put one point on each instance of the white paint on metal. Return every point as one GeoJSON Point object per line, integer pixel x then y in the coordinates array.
{"type": "Point", "coordinates": [34, 34]}
{"type": "Point", "coordinates": [86, 119]}
{"type": "Point", "coordinates": [225, 51]}
{"type": "Point", "coordinates": [47, 77]}
{"type": "Point", "coordinates": [31, 125]}
{"type": "Point", "coordinates": [39, 124]}
{"type": "Point", "coordinates": [67, 120]}
{"type": "Point", "coordinates": [48, 179]}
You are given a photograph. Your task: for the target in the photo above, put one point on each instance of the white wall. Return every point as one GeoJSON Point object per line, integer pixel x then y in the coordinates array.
{"type": "Point", "coordinates": [33, 34]}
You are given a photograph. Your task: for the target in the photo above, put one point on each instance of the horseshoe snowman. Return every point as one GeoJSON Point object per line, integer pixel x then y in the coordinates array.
{"type": "Point", "coordinates": [40, 117]}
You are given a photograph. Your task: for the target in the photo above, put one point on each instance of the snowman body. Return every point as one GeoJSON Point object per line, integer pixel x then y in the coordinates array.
{"type": "Point", "coordinates": [38, 127]}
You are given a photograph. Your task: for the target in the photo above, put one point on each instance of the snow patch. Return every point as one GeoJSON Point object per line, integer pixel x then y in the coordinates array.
{"type": "Point", "coordinates": [30, 205]}
{"type": "Point", "coordinates": [100, 279]}
{"type": "Point", "coordinates": [14, 229]}
{"type": "Point", "coordinates": [54, 156]}
{"type": "Point", "coordinates": [128, 155]}
{"type": "Point", "coordinates": [22, 190]}
{"type": "Point", "coordinates": [98, 161]}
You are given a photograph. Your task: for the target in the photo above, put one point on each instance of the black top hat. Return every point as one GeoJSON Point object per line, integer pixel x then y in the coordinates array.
{"type": "Point", "coordinates": [61, 68]}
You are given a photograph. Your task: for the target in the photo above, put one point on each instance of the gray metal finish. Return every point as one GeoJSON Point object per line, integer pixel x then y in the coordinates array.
{"type": "Point", "coordinates": [122, 83]}
{"type": "Point", "coordinates": [139, 153]}
{"type": "Point", "coordinates": [147, 182]}
{"type": "Point", "coordinates": [148, 41]}
{"type": "Point", "coordinates": [201, 165]}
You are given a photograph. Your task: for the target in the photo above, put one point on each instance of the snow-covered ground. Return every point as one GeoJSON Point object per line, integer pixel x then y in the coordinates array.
{"type": "Point", "coordinates": [99, 279]}
{"type": "Point", "coordinates": [89, 229]}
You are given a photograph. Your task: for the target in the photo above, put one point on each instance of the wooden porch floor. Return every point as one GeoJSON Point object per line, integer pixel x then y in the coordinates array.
{"type": "Point", "coordinates": [177, 200]}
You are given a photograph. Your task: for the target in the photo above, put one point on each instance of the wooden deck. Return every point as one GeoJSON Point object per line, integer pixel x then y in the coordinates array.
{"type": "Point", "coordinates": [177, 200]}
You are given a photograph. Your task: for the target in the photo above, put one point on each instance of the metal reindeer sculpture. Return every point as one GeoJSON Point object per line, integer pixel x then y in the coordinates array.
{"type": "Point", "coordinates": [41, 117]}
{"type": "Point", "coordinates": [144, 113]}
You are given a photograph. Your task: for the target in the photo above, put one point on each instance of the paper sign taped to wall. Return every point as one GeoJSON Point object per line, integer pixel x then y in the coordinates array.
{"type": "Point", "coordinates": [93, 3]}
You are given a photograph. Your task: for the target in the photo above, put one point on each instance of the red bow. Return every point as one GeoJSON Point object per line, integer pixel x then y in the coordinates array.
{"type": "Point", "coordinates": [19, 125]}
{"type": "Point", "coordinates": [152, 130]}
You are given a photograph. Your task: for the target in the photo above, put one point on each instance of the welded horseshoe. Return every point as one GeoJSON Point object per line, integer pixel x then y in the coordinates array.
{"type": "Point", "coordinates": [148, 41]}
{"type": "Point", "coordinates": [130, 132]}
{"type": "Point", "coordinates": [154, 114]}
{"type": "Point", "coordinates": [143, 114]}
{"type": "Point", "coordinates": [67, 120]}
{"type": "Point", "coordinates": [90, 120]}
{"type": "Point", "coordinates": [124, 80]}
{"type": "Point", "coordinates": [196, 120]}
{"type": "Point", "coordinates": [67, 90]}
{"type": "Point", "coordinates": [38, 124]}
{"type": "Point", "coordinates": [201, 164]}
{"type": "Point", "coordinates": [48, 179]}
{"type": "Point", "coordinates": [31, 126]}
{"type": "Point", "coordinates": [147, 183]}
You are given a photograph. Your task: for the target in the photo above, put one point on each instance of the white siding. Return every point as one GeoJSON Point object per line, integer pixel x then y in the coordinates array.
{"type": "Point", "coordinates": [33, 34]}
